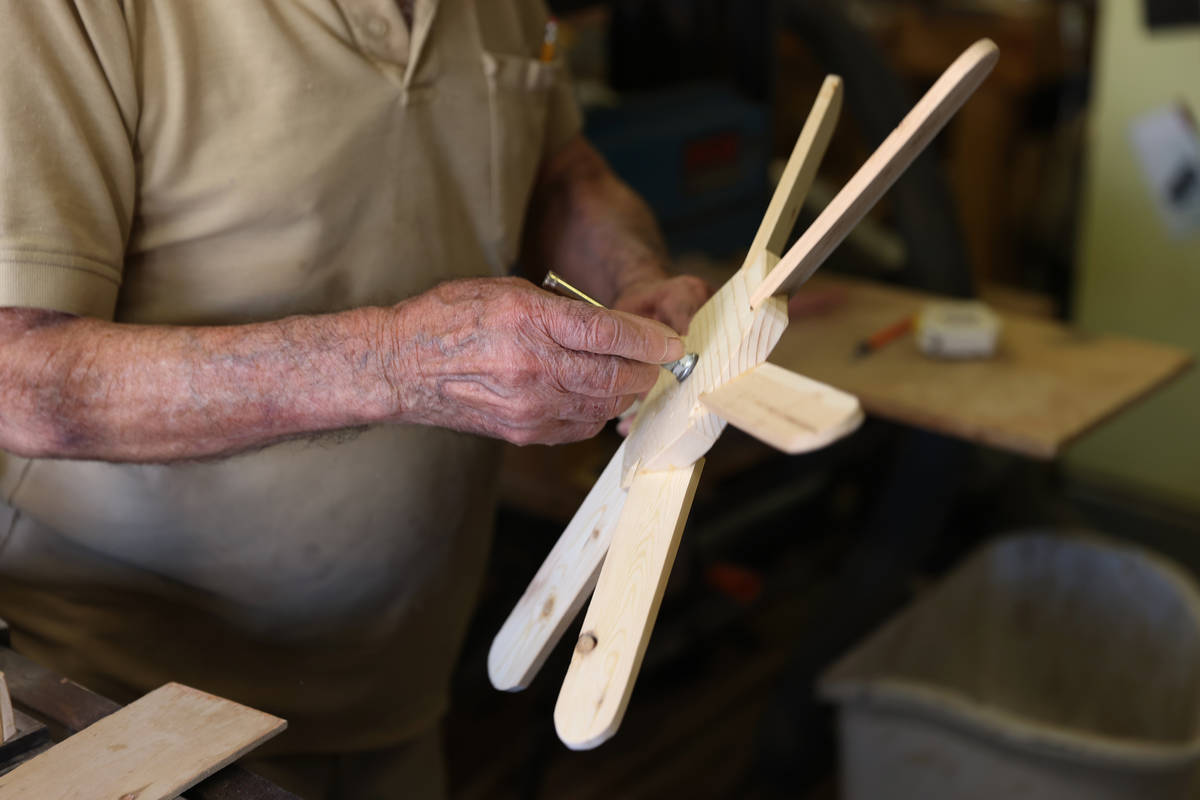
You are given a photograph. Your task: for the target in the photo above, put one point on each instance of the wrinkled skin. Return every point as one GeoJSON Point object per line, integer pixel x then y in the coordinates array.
{"type": "Point", "coordinates": [502, 358]}
{"type": "Point", "coordinates": [672, 301]}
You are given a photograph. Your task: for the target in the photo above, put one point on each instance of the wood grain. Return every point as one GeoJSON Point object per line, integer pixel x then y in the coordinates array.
{"type": "Point", "coordinates": [659, 465]}
{"type": "Point", "coordinates": [152, 749]}
{"type": "Point", "coordinates": [70, 707]}
{"type": "Point", "coordinates": [673, 429]}
{"type": "Point", "coordinates": [801, 169]}
{"type": "Point", "coordinates": [881, 170]}
{"type": "Point", "coordinates": [790, 412]}
{"type": "Point", "coordinates": [561, 585]}
{"type": "Point", "coordinates": [616, 629]}
{"type": "Point", "coordinates": [1048, 384]}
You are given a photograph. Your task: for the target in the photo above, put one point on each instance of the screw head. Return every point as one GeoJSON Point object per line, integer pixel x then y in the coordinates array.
{"type": "Point", "coordinates": [682, 368]}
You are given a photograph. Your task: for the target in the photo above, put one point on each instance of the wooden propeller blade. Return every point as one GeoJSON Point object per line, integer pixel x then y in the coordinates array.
{"type": "Point", "coordinates": [560, 586]}
{"type": "Point", "coordinates": [882, 169]}
{"type": "Point", "coordinates": [801, 170]}
{"type": "Point", "coordinates": [617, 626]}
{"type": "Point", "coordinates": [790, 412]}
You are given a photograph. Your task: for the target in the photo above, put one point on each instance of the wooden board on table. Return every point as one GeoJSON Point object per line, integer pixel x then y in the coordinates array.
{"type": "Point", "coordinates": [152, 749]}
{"type": "Point", "coordinates": [1048, 384]}
{"type": "Point", "coordinates": [619, 620]}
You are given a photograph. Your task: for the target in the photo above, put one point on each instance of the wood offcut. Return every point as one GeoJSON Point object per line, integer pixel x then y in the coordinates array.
{"type": "Point", "coordinates": [152, 749]}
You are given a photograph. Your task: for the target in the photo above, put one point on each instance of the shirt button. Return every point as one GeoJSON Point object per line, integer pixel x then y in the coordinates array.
{"type": "Point", "coordinates": [377, 27]}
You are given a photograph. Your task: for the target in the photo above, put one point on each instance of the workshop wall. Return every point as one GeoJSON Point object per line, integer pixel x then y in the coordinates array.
{"type": "Point", "coordinates": [1134, 275]}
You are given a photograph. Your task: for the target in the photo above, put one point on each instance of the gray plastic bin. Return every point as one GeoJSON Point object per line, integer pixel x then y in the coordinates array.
{"type": "Point", "coordinates": [1043, 667]}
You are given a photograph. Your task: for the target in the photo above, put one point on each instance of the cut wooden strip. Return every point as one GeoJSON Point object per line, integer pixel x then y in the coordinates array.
{"type": "Point", "coordinates": [801, 170]}
{"type": "Point", "coordinates": [790, 412]}
{"type": "Point", "coordinates": [152, 749]}
{"type": "Point", "coordinates": [882, 169]}
{"type": "Point", "coordinates": [672, 429]}
{"type": "Point", "coordinates": [560, 587]}
{"type": "Point", "coordinates": [621, 616]}
{"type": "Point", "coordinates": [8, 723]}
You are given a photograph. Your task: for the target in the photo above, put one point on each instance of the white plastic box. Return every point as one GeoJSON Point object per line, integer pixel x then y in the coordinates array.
{"type": "Point", "coordinates": [1043, 668]}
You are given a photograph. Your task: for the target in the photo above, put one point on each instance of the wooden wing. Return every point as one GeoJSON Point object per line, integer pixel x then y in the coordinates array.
{"type": "Point", "coordinates": [639, 526]}
{"type": "Point", "coordinates": [618, 622]}
{"type": "Point", "coordinates": [881, 170]}
{"type": "Point", "coordinates": [568, 575]}
{"type": "Point", "coordinates": [560, 587]}
{"type": "Point", "coordinates": [790, 412]}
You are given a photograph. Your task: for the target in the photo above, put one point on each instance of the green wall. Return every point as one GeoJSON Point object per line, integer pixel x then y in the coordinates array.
{"type": "Point", "coordinates": [1133, 278]}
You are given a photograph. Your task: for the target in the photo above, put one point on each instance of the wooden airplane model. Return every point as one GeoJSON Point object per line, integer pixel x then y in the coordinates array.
{"type": "Point", "coordinates": [623, 539]}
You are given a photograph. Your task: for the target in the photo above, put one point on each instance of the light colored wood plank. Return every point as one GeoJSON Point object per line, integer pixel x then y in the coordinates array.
{"type": "Point", "coordinates": [561, 585]}
{"type": "Point", "coordinates": [881, 170]}
{"type": "Point", "coordinates": [673, 429]}
{"type": "Point", "coordinates": [8, 723]}
{"type": "Point", "coordinates": [152, 749]}
{"type": "Point", "coordinates": [800, 171]}
{"type": "Point", "coordinates": [787, 411]}
{"type": "Point", "coordinates": [616, 629]}
{"type": "Point", "coordinates": [1048, 384]}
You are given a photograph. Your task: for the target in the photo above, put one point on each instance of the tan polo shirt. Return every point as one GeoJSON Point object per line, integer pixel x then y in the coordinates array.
{"type": "Point", "coordinates": [213, 162]}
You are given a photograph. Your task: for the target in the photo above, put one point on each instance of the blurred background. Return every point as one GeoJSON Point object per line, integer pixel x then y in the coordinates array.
{"type": "Point", "coordinates": [1065, 196]}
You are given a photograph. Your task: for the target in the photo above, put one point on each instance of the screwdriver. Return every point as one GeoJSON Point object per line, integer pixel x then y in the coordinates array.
{"type": "Point", "coordinates": [681, 369]}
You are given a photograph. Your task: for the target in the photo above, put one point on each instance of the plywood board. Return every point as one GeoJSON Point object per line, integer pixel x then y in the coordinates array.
{"type": "Point", "coordinates": [1048, 384]}
{"type": "Point", "coordinates": [152, 749]}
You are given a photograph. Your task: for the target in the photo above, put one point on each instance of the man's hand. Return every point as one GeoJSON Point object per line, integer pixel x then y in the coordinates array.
{"type": "Point", "coordinates": [502, 358]}
{"type": "Point", "coordinates": [672, 301]}
{"type": "Point", "coordinates": [490, 356]}
{"type": "Point", "coordinates": [497, 357]}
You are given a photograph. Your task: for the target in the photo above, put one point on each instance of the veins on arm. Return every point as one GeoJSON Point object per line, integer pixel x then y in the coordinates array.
{"type": "Point", "coordinates": [75, 387]}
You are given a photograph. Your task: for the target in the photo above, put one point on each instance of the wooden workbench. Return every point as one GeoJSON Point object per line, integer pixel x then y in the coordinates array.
{"type": "Point", "coordinates": [1048, 384]}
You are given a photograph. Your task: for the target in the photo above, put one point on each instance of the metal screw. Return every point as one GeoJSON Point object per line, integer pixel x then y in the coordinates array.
{"type": "Point", "coordinates": [681, 369]}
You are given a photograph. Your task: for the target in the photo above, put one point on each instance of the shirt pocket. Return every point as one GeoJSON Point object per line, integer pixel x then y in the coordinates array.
{"type": "Point", "coordinates": [519, 90]}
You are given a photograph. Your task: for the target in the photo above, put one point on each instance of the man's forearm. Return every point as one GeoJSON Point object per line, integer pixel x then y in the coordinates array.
{"type": "Point", "coordinates": [494, 356]}
{"type": "Point", "coordinates": [588, 224]}
{"type": "Point", "coordinates": [83, 388]}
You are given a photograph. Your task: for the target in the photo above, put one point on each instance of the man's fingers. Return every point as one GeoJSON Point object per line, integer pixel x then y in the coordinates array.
{"type": "Point", "coordinates": [626, 404]}
{"type": "Point", "coordinates": [577, 326]}
{"type": "Point", "coordinates": [678, 311]}
{"type": "Point", "coordinates": [604, 376]}
{"type": "Point", "coordinates": [694, 293]}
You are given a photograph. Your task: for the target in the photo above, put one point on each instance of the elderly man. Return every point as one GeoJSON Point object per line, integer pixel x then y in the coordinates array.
{"type": "Point", "coordinates": [228, 227]}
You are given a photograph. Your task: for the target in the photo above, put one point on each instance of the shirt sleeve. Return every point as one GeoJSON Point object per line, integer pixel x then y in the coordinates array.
{"type": "Point", "coordinates": [68, 112]}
